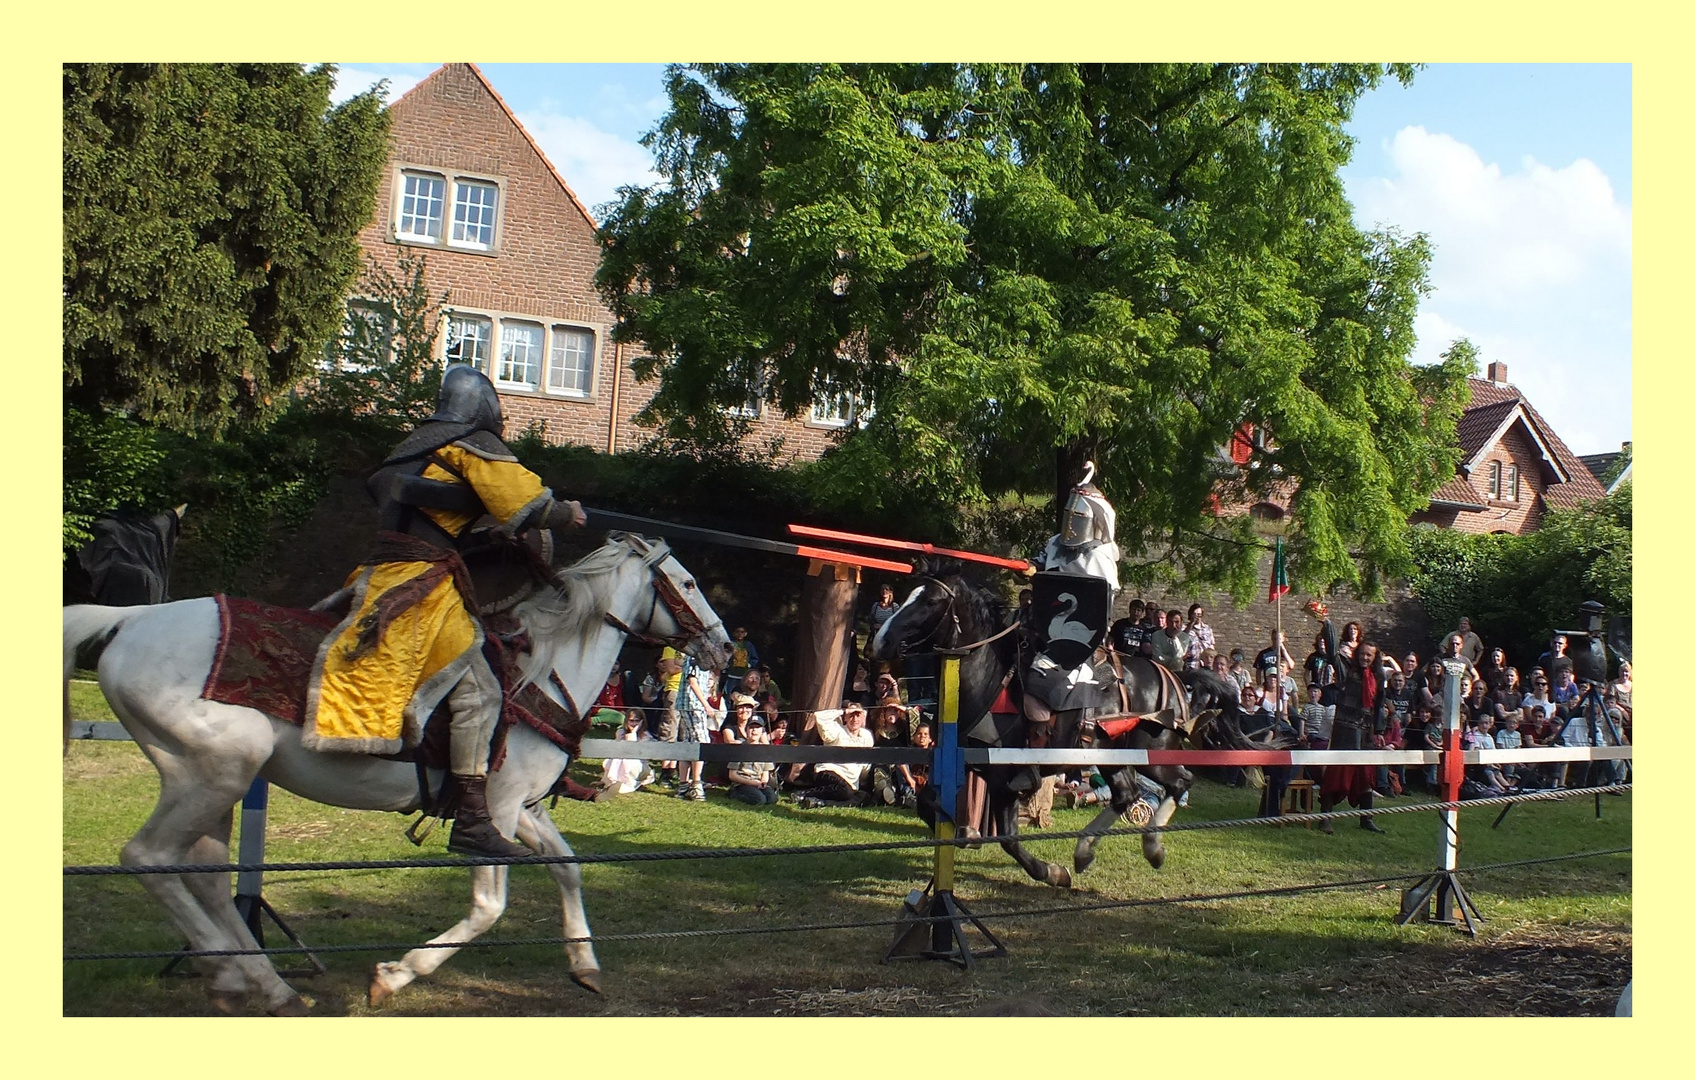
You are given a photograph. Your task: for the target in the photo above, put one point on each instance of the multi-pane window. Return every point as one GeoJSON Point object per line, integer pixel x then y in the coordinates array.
{"type": "Point", "coordinates": [474, 206]}
{"type": "Point", "coordinates": [421, 200]}
{"type": "Point", "coordinates": [1494, 479]}
{"type": "Point", "coordinates": [520, 354]}
{"type": "Point", "coordinates": [468, 339]}
{"type": "Point", "coordinates": [833, 407]}
{"type": "Point", "coordinates": [570, 362]}
{"type": "Point", "coordinates": [754, 406]}
{"type": "Point", "coordinates": [1512, 482]}
{"type": "Point", "coordinates": [363, 340]}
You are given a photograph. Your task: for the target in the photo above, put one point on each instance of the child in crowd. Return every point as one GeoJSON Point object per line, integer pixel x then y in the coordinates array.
{"type": "Point", "coordinates": [620, 776]}
{"type": "Point", "coordinates": [1509, 739]}
{"type": "Point", "coordinates": [754, 782]}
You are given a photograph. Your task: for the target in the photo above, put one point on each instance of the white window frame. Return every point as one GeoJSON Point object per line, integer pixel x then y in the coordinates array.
{"type": "Point", "coordinates": [453, 187]}
{"type": "Point", "coordinates": [403, 199]}
{"type": "Point", "coordinates": [1494, 479]}
{"type": "Point", "coordinates": [1513, 482]}
{"type": "Point", "coordinates": [534, 363]}
{"type": "Point", "coordinates": [487, 213]}
{"type": "Point", "coordinates": [754, 407]}
{"type": "Point", "coordinates": [483, 363]}
{"type": "Point", "coordinates": [832, 408]}
{"type": "Point", "coordinates": [374, 315]}
{"type": "Point", "coordinates": [557, 334]}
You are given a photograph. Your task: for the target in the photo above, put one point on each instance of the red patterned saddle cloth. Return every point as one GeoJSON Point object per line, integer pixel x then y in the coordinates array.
{"type": "Point", "coordinates": [265, 656]}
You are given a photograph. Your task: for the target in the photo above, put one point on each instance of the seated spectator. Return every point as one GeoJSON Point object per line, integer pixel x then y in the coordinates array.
{"type": "Point", "coordinates": [1414, 672]}
{"type": "Point", "coordinates": [620, 776]}
{"type": "Point", "coordinates": [741, 714]}
{"type": "Point", "coordinates": [1240, 673]}
{"type": "Point", "coordinates": [1092, 790]}
{"type": "Point", "coordinates": [1565, 693]}
{"type": "Point", "coordinates": [1538, 697]}
{"type": "Point", "coordinates": [1221, 667]}
{"type": "Point", "coordinates": [770, 683]}
{"type": "Point", "coordinates": [1477, 738]}
{"type": "Point", "coordinates": [1430, 695]}
{"type": "Point", "coordinates": [839, 782]}
{"type": "Point", "coordinates": [1425, 733]}
{"type": "Point", "coordinates": [753, 782]}
{"type": "Point", "coordinates": [916, 776]}
{"type": "Point", "coordinates": [1540, 729]}
{"type": "Point", "coordinates": [1508, 697]}
{"type": "Point", "coordinates": [1477, 702]}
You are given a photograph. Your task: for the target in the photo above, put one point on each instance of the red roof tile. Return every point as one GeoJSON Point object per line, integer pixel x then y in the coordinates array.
{"type": "Point", "coordinates": [1458, 492]}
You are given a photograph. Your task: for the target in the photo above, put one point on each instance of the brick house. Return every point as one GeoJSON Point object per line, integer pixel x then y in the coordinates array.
{"type": "Point", "coordinates": [1514, 469]}
{"type": "Point", "coordinates": [514, 251]}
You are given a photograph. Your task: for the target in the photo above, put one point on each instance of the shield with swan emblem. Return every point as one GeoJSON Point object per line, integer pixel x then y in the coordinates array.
{"type": "Point", "coordinates": [1071, 613]}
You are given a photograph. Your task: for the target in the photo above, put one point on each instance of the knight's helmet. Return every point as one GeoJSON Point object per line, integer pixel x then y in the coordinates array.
{"type": "Point", "coordinates": [467, 397]}
{"type": "Point", "coordinates": [1088, 516]}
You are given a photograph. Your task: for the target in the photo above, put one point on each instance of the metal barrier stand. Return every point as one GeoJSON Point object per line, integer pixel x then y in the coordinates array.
{"type": "Point", "coordinates": [933, 921]}
{"type": "Point", "coordinates": [1434, 898]}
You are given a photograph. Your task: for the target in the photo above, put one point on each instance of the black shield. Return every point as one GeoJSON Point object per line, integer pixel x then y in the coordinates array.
{"type": "Point", "coordinates": [1071, 613]}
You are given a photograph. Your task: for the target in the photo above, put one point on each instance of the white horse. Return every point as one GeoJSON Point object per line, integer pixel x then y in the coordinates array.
{"type": "Point", "coordinates": [154, 666]}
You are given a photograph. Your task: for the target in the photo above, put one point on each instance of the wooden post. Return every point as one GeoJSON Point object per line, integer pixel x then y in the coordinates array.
{"type": "Point", "coordinates": [821, 655]}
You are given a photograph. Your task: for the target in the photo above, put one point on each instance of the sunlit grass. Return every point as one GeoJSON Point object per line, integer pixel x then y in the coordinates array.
{"type": "Point", "coordinates": [1245, 956]}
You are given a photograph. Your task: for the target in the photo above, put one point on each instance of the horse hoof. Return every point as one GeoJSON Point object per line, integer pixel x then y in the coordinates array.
{"type": "Point", "coordinates": [295, 1005]}
{"type": "Point", "coordinates": [1081, 861]}
{"type": "Point", "coordinates": [228, 1002]}
{"type": "Point", "coordinates": [588, 979]}
{"type": "Point", "coordinates": [1156, 857]}
{"type": "Point", "coordinates": [380, 991]}
{"type": "Point", "coordinates": [1058, 876]}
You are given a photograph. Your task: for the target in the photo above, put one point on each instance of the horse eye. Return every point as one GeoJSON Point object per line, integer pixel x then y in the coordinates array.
{"type": "Point", "coordinates": [689, 585]}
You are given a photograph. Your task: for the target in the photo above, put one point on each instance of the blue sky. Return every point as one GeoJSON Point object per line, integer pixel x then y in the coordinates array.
{"type": "Point", "coordinates": [1520, 174]}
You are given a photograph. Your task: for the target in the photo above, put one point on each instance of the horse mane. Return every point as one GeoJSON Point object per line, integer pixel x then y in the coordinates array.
{"type": "Point", "coordinates": [985, 604]}
{"type": "Point", "coordinates": [559, 616]}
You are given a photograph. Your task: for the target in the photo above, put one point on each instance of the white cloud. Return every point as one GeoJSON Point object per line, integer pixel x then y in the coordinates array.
{"type": "Point", "coordinates": [1533, 265]}
{"type": "Point", "coordinates": [594, 162]}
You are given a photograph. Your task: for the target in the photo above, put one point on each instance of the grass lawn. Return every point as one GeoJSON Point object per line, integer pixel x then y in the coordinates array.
{"type": "Point", "coordinates": [1557, 940]}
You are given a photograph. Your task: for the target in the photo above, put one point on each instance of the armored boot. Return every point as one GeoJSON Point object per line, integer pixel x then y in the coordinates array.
{"type": "Point", "coordinates": [1029, 778]}
{"type": "Point", "coordinates": [473, 832]}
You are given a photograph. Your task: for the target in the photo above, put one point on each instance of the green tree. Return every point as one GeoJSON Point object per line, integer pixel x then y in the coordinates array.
{"type": "Point", "coordinates": [211, 219]}
{"type": "Point", "coordinates": [1017, 268]}
{"type": "Point", "coordinates": [383, 363]}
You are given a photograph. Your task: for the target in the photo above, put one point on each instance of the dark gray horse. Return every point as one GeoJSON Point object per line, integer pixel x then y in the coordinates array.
{"type": "Point", "coordinates": [950, 611]}
{"type": "Point", "coordinates": [127, 563]}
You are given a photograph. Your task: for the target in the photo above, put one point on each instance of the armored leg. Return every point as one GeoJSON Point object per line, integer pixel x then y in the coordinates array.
{"type": "Point", "coordinates": [474, 705]}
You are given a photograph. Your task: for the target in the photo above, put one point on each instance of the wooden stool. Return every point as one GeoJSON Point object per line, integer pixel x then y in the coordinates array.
{"type": "Point", "coordinates": [1297, 799]}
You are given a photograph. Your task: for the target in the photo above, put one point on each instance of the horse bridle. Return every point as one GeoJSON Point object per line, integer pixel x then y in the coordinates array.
{"type": "Point", "coordinates": [664, 590]}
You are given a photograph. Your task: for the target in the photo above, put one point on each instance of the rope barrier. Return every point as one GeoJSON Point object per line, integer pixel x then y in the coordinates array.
{"type": "Point", "coordinates": [741, 931]}
{"type": "Point", "coordinates": [820, 849]}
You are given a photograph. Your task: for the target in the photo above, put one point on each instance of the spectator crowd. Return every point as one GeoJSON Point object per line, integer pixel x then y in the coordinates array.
{"type": "Point", "coordinates": [1502, 707]}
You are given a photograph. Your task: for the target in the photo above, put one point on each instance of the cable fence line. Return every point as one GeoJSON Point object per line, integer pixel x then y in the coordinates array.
{"type": "Point", "coordinates": [824, 849]}
{"type": "Point", "coordinates": [794, 928]}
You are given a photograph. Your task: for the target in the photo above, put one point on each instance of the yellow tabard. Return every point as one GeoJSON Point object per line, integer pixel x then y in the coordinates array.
{"type": "Point", "coordinates": [362, 705]}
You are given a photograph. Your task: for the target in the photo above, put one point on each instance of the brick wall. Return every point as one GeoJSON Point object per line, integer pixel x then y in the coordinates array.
{"type": "Point", "coordinates": [543, 265]}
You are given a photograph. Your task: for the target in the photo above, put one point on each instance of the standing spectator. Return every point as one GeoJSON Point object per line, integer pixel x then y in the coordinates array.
{"type": "Point", "coordinates": [1574, 728]}
{"type": "Point", "coordinates": [744, 656]}
{"type": "Point", "coordinates": [1358, 680]}
{"type": "Point", "coordinates": [1556, 657]}
{"type": "Point", "coordinates": [1201, 638]}
{"type": "Point", "coordinates": [1171, 644]}
{"type": "Point", "coordinates": [1316, 718]}
{"type": "Point", "coordinates": [1153, 621]}
{"type": "Point", "coordinates": [1493, 668]}
{"type": "Point", "coordinates": [1350, 641]}
{"type": "Point", "coordinates": [1319, 672]}
{"type": "Point", "coordinates": [1127, 634]}
{"type": "Point", "coordinates": [1471, 646]}
{"type": "Point", "coordinates": [1415, 673]}
{"type": "Point", "coordinates": [859, 687]}
{"type": "Point", "coordinates": [1565, 692]}
{"type": "Point", "coordinates": [1621, 688]}
{"type": "Point", "coordinates": [661, 694]}
{"type": "Point", "coordinates": [1272, 656]}
{"type": "Point", "coordinates": [694, 725]}
{"type": "Point", "coordinates": [1508, 738]}
{"type": "Point", "coordinates": [838, 782]}
{"type": "Point", "coordinates": [753, 782]}
{"type": "Point", "coordinates": [882, 610]}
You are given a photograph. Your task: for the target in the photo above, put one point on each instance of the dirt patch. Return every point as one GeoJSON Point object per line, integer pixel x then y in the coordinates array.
{"type": "Point", "coordinates": [873, 1001]}
{"type": "Point", "coordinates": [1524, 971]}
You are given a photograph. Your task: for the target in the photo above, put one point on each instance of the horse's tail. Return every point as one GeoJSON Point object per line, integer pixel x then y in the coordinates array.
{"type": "Point", "coordinates": [85, 624]}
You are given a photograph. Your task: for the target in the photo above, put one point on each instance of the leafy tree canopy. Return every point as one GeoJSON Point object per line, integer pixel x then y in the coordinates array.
{"type": "Point", "coordinates": [212, 214]}
{"type": "Point", "coordinates": [1015, 268]}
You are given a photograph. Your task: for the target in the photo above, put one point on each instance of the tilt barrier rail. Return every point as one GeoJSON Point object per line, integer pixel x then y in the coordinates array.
{"type": "Point", "coordinates": [933, 922]}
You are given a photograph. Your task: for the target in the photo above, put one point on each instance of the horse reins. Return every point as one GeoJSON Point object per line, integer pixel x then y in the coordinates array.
{"type": "Point", "coordinates": [688, 623]}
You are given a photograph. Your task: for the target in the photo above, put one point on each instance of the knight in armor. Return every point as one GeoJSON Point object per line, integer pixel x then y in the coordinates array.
{"type": "Point", "coordinates": [1068, 635]}
{"type": "Point", "coordinates": [1086, 541]}
{"type": "Point", "coordinates": [411, 638]}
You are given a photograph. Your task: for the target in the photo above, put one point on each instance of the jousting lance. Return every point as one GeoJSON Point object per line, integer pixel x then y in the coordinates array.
{"type": "Point", "coordinates": [611, 519]}
{"type": "Point", "coordinates": [813, 532]}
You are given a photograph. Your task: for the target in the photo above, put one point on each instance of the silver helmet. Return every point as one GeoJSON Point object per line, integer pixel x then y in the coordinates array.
{"type": "Point", "coordinates": [467, 397]}
{"type": "Point", "coordinates": [1088, 516]}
